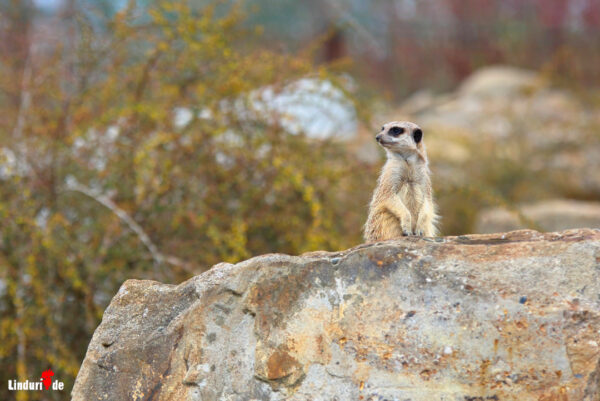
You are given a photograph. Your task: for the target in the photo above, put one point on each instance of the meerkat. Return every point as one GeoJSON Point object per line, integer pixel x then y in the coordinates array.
{"type": "Point", "coordinates": [402, 203]}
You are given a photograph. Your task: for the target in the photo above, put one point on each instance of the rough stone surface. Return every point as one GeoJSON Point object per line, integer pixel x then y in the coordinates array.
{"type": "Point", "coordinates": [512, 316]}
{"type": "Point", "coordinates": [549, 215]}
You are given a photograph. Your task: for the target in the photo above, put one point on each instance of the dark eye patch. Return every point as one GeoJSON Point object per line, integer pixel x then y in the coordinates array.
{"type": "Point", "coordinates": [417, 135]}
{"type": "Point", "coordinates": [395, 131]}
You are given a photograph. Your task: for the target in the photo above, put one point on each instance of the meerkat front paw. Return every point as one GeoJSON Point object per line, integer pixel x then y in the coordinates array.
{"type": "Point", "coordinates": [406, 228]}
{"type": "Point", "coordinates": [419, 233]}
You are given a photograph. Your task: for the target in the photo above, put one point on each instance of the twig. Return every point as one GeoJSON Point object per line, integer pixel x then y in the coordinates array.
{"type": "Point", "coordinates": [20, 284]}
{"type": "Point", "coordinates": [25, 98]}
{"type": "Point", "coordinates": [361, 30]}
{"type": "Point", "coordinates": [133, 225]}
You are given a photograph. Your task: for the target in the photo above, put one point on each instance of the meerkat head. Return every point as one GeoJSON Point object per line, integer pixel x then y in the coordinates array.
{"type": "Point", "coordinates": [401, 137]}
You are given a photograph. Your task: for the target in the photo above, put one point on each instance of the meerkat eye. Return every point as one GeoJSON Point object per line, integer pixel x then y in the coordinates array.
{"type": "Point", "coordinates": [395, 131]}
{"type": "Point", "coordinates": [418, 135]}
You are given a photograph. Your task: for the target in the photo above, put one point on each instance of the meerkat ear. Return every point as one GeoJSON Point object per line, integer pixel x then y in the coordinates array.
{"type": "Point", "coordinates": [417, 135]}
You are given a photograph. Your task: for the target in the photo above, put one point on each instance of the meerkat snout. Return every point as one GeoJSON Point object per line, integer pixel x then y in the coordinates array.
{"type": "Point", "coordinates": [402, 203]}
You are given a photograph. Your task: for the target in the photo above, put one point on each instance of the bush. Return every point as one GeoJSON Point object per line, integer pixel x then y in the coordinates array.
{"type": "Point", "coordinates": [100, 182]}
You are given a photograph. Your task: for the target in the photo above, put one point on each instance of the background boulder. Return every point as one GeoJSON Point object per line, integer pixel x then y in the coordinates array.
{"type": "Point", "coordinates": [506, 113]}
{"type": "Point", "coordinates": [550, 215]}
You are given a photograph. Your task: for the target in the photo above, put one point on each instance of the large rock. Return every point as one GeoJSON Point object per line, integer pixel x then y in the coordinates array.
{"type": "Point", "coordinates": [512, 316]}
{"type": "Point", "coordinates": [508, 114]}
{"type": "Point", "coordinates": [548, 215]}
{"type": "Point", "coordinates": [500, 81]}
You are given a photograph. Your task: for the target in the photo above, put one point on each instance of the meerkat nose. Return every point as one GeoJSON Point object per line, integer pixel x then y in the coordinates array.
{"type": "Point", "coordinates": [378, 137]}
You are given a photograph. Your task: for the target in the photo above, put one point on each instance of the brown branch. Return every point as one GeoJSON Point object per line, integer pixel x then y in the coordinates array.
{"type": "Point", "coordinates": [25, 98]}
{"type": "Point", "coordinates": [134, 226]}
{"type": "Point", "coordinates": [145, 76]}
{"type": "Point", "coordinates": [357, 26]}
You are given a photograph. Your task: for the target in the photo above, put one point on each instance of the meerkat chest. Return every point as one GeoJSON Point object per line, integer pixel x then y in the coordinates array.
{"type": "Point", "coordinates": [405, 183]}
{"type": "Point", "coordinates": [411, 192]}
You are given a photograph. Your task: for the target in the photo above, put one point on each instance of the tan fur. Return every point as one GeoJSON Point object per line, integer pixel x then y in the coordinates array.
{"type": "Point", "coordinates": [402, 203]}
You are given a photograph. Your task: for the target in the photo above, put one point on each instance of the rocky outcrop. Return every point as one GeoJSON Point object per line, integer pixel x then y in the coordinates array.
{"type": "Point", "coordinates": [512, 316]}
{"type": "Point", "coordinates": [511, 114]}
{"type": "Point", "coordinates": [548, 215]}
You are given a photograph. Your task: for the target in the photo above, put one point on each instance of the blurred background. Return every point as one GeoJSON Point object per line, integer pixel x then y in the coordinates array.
{"type": "Point", "coordinates": [152, 139]}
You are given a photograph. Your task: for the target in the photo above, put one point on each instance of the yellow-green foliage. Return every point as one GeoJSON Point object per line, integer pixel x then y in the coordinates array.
{"type": "Point", "coordinates": [76, 200]}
